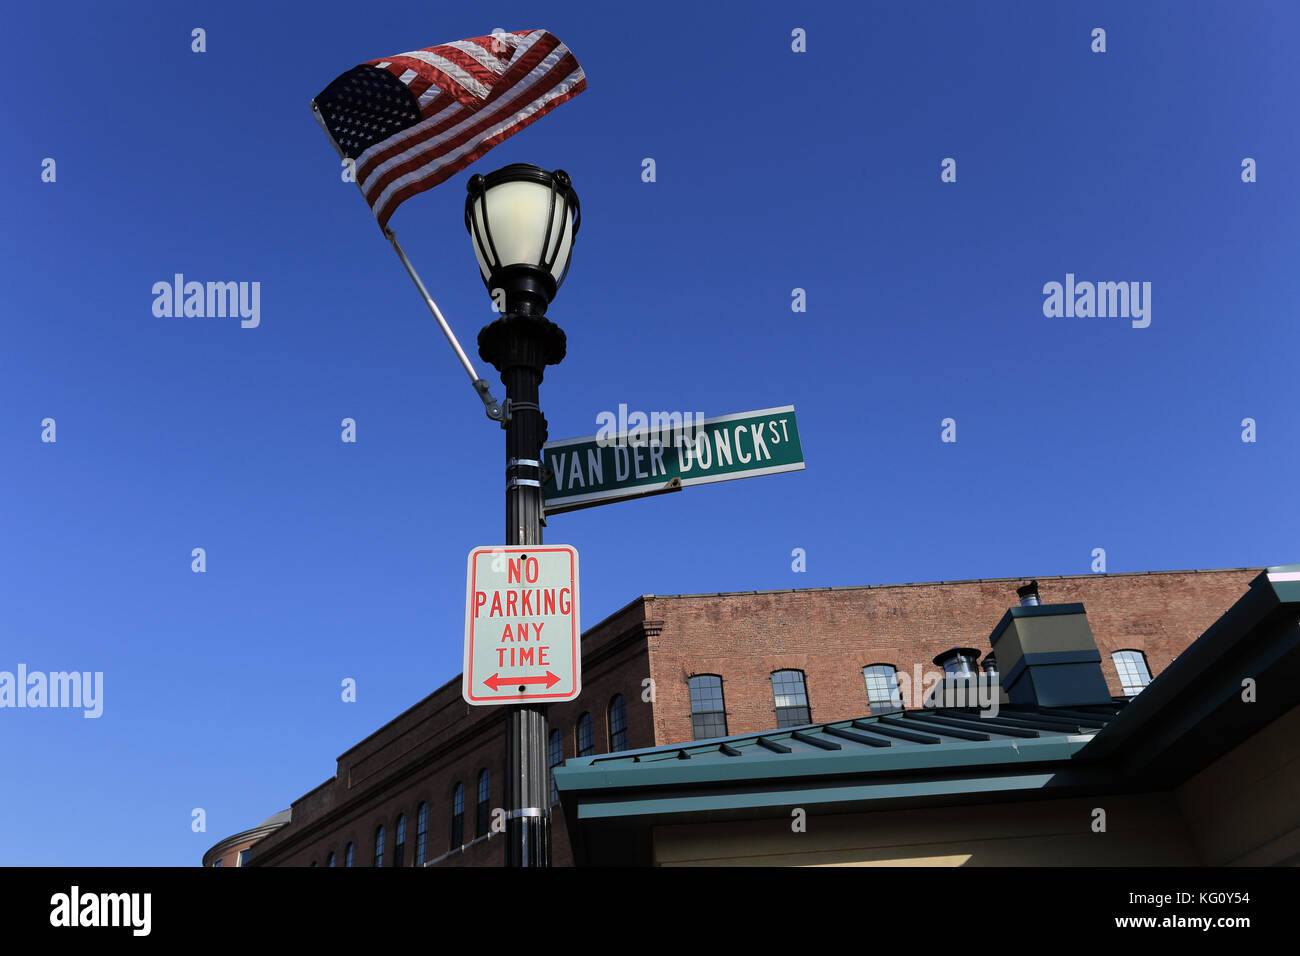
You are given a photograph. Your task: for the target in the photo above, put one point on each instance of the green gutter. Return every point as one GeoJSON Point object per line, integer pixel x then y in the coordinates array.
{"type": "Point", "coordinates": [616, 807]}
{"type": "Point", "coordinates": [604, 790]}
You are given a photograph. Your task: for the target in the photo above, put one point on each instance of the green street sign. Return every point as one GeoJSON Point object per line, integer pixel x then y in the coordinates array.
{"type": "Point", "coordinates": [667, 453]}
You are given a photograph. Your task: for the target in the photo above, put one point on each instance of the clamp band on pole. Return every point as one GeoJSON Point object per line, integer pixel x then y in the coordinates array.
{"type": "Point", "coordinates": [526, 812]}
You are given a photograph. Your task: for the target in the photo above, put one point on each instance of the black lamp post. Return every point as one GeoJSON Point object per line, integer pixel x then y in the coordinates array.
{"type": "Point", "coordinates": [523, 221]}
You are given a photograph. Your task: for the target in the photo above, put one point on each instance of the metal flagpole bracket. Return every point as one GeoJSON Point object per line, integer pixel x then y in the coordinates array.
{"type": "Point", "coordinates": [494, 409]}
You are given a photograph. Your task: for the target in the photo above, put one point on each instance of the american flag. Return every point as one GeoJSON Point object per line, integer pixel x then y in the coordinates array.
{"type": "Point", "coordinates": [411, 121]}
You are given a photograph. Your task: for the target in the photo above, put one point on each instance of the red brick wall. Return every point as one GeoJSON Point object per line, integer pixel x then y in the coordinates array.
{"type": "Point", "coordinates": [831, 634]}
{"type": "Point", "coordinates": [229, 856]}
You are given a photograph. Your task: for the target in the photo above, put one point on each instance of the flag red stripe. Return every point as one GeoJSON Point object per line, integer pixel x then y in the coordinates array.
{"type": "Point", "coordinates": [427, 150]}
{"type": "Point", "coordinates": [401, 143]}
{"type": "Point", "coordinates": [499, 48]}
{"type": "Point", "coordinates": [435, 75]}
{"type": "Point", "coordinates": [373, 186]}
{"type": "Point", "coordinates": [467, 63]}
{"type": "Point", "coordinates": [418, 86]}
{"type": "Point", "coordinates": [385, 213]}
{"type": "Point", "coordinates": [520, 68]}
{"type": "Point", "coordinates": [456, 126]}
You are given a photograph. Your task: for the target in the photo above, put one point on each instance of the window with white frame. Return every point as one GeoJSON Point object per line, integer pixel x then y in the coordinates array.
{"type": "Point", "coordinates": [882, 688]}
{"type": "Point", "coordinates": [1132, 669]}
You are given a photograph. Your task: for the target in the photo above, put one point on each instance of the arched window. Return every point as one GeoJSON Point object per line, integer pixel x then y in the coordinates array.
{"type": "Point", "coordinates": [882, 688]}
{"type": "Point", "coordinates": [617, 724]}
{"type": "Point", "coordinates": [399, 844]}
{"type": "Point", "coordinates": [791, 697]}
{"type": "Point", "coordinates": [347, 856]}
{"type": "Point", "coordinates": [708, 711]}
{"type": "Point", "coordinates": [1132, 669]}
{"type": "Point", "coordinates": [484, 799]}
{"type": "Point", "coordinates": [329, 860]}
{"type": "Point", "coordinates": [556, 756]}
{"type": "Point", "coordinates": [379, 846]}
{"type": "Point", "coordinates": [421, 833]}
{"type": "Point", "coordinates": [457, 815]}
{"type": "Point", "coordinates": [586, 739]}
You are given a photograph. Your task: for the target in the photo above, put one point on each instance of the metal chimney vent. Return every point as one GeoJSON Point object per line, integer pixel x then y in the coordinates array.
{"type": "Point", "coordinates": [959, 661]}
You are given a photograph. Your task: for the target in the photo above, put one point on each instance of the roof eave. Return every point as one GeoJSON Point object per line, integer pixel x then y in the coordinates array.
{"type": "Point", "coordinates": [1158, 737]}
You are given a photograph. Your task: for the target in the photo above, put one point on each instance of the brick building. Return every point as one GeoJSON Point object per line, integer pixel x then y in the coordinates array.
{"type": "Point", "coordinates": [1201, 768]}
{"type": "Point", "coordinates": [235, 850]}
{"type": "Point", "coordinates": [668, 669]}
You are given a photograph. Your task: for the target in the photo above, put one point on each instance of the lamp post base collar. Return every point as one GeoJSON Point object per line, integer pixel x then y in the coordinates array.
{"type": "Point", "coordinates": [516, 339]}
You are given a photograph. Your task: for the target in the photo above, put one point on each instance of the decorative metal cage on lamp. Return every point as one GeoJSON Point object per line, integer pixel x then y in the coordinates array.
{"type": "Point", "coordinates": [523, 221]}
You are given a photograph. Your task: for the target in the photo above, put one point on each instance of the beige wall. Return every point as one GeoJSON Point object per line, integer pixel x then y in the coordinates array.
{"type": "Point", "coordinates": [1244, 809]}
{"type": "Point", "coordinates": [1140, 830]}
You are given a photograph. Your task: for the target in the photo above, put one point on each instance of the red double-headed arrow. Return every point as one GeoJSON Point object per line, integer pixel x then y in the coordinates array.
{"type": "Point", "coordinates": [496, 681]}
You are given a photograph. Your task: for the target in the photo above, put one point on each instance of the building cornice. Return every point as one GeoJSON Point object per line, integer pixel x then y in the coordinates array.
{"type": "Point", "coordinates": [946, 583]}
{"type": "Point", "coordinates": [360, 795]}
{"type": "Point", "coordinates": [248, 836]}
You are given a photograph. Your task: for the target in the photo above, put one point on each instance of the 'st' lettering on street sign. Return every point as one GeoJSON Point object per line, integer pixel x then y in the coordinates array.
{"type": "Point", "coordinates": [581, 472]}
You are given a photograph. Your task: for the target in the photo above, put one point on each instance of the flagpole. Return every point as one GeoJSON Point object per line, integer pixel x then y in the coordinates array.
{"type": "Point", "coordinates": [481, 385]}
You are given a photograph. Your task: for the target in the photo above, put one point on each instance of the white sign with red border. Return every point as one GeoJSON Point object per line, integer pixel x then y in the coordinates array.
{"type": "Point", "coordinates": [522, 633]}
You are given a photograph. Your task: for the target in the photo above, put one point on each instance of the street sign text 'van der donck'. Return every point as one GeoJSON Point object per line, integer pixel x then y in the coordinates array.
{"type": "Point", "coordinates": [667, 453]}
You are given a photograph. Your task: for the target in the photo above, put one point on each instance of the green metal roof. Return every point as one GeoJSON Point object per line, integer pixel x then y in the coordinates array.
{"type": "Point", "coordinates": [877, 760]}
{"type": "Point", "coordinates": [1188, 716]}
{"type": "Point", "coordinates": [949, 736]}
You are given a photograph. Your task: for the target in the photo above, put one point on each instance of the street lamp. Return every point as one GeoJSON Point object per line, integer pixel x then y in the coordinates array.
{"type": "Point", "coordinates": [523, 221]}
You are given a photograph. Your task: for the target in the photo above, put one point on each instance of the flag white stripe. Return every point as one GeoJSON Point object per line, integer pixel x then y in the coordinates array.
{"type": "Point", "coordinates": [375, 180]}
{"type": "Point", "coordinates": [574, 78]}
{"type": "Point", "coordinates": [452, 70]}
{"type": "Point", "coordinates": [434, 120]}
{"type": "Point", "coordinates": [538, 73]}
{"type": "Point", "coordinates": [480, 55]}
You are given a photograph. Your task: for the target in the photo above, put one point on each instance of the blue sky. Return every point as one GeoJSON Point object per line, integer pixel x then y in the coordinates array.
{"type": "Point", "coordinates": [775, 170]}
